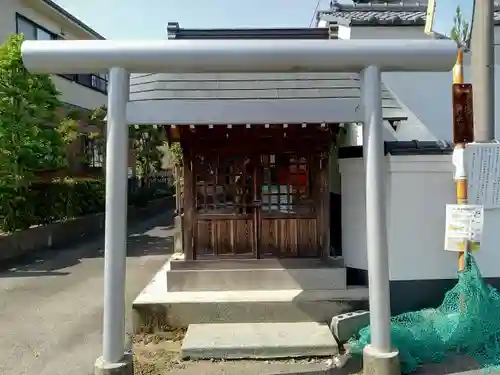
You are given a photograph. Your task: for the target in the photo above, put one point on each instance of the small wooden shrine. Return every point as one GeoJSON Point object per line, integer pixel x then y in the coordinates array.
{"type": "Point", "coordinates": [255, 191]}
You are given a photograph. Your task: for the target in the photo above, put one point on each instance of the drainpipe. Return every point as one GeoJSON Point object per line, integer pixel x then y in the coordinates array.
{"type": "Point", "coordinates": [483, 71]}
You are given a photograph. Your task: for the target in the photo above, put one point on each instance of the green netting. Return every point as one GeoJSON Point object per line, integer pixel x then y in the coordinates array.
{"type": "Point", "coordinates": [467, 323]}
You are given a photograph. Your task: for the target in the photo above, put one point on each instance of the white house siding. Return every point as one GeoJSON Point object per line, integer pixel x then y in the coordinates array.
{"type": "Point", "coordinates": [79, 95]}
{"type": "Point", "coordinates": [41, 14]}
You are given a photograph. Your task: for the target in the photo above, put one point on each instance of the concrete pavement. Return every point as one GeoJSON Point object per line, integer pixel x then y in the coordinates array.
{"type": "Point", "coordinates": [51, 302]}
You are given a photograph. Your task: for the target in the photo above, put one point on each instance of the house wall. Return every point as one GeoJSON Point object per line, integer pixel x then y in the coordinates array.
{"type": "Point", "coordinates": [427, 96]}
{"type": "Point", "coordinates": [421, 271]}
{"type": "Point", "coordinates": [418, 188]}
{"type": "Point", "coordinates": [41, 14]}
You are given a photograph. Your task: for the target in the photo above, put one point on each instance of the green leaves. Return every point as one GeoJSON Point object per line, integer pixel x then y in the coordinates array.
{"type": "Point", "coordinates": [175, 151]}
{"type": "Point", "coordinates": [147, 142]}
{"type": "Point", "coordinates": [48, 202]}
{"type": "Point", "coordinates": [28, 103]}
{"type": "Point", "coordinates": [460, 30]}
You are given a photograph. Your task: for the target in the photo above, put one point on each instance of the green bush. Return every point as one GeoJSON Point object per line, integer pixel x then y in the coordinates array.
{"type": "Point", "coordinates": [47, 202]}
{"type": "Point", "coordinates": [140, 192]}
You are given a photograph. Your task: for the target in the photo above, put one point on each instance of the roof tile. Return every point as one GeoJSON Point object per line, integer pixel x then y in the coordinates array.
{"type": "Point", "coordinates": [384, 14]}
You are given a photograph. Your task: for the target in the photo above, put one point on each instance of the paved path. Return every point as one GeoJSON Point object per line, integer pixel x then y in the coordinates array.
{"type": "Point", "coordinates": [51, 303]}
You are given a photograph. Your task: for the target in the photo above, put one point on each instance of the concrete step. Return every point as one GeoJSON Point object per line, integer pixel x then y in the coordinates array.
{"type": "Point", "coordinates": [258, 340]}
{"type": "Point", "coordinates": [180, 309]}
{"type": "Point", "coordinates": [156, 307]}
{"type": "Point", "coordinates": [177, 262]}
{"type": "Point", "coordinates": [259, 274]}
{"type": "Point", "coordinates": [256, 279]}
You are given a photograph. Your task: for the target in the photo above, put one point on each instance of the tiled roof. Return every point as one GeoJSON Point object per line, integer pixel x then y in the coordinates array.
{"type": "Point", "coordinates": [389, 13]}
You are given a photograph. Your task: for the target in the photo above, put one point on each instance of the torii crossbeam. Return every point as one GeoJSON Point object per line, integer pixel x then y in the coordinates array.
{"type": "Point", "coordinates": [368, 57]}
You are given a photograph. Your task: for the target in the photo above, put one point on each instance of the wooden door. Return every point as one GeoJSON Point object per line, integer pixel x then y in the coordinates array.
{"type": "Point", "coordinates": [225, 224]}
{"type": "Point", "coordinates": [256, 206]}
{"type": "Point", "coordinates": [286, 221]}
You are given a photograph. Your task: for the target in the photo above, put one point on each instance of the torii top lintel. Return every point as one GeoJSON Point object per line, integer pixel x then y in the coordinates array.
{"type": "Point", "coordinates": [238, 56]}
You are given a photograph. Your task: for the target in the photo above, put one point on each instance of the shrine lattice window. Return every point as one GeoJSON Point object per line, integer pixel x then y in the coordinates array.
{"type": "Point", "coordinates": [224, 185]}
{"type": "Point", "coordinates": [286, 184]}
{"type": "Point", "coordinates": [281, 183]}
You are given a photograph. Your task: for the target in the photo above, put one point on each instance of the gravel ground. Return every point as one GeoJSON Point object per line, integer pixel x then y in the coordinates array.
{"type": "Point", "coordinates": [156, 354]}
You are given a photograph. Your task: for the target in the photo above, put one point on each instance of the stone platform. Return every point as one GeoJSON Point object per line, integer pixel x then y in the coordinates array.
{"type": "Point", "coordinates": [258, 340]}
{"type": "Point", "coordinates": [157, 307]}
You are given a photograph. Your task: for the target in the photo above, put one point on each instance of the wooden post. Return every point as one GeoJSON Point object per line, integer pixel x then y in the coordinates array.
{"type": "Point", "coordinates": [177, 174]}
{"type": "Point", "coordinates": [325, 207]}
{"type": "Point", "coordinates": [189, 219]}
{"type": "Point", "coordinates": [256, 208]}
{"type": "Point", "coordinates": [463, 133]}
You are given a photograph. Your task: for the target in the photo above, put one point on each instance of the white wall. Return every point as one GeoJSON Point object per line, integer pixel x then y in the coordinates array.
{"type": "Point", "coordinates": [387, 32]}
{"type": "Point", "coordinates": [418, 188]}
{"type": "Point", "coordinates": [427, 96]}
{"type": "Point", "coordinates": [71, 92]}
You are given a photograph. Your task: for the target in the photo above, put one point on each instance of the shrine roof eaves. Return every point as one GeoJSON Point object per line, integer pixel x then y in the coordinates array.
{"type": "Point", "coordinates": [174, 31]}
{"type": "Point", "coordinates": [402, 148]}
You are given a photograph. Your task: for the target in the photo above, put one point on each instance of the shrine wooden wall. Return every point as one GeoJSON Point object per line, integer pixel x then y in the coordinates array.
{"type": "Point", "coordinates": [256, 192]}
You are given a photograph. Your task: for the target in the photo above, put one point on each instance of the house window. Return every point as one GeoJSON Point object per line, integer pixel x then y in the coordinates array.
{"type": "Point", "coordinates": [94, 156]}
{"type": "Point", "coordinates": [100, 82]}
{"type": "Point", "coordinates": [33, 31]}
{"type": "Point", "coordinates": [44, 35]}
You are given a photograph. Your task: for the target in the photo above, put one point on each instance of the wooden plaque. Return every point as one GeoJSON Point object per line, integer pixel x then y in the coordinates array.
{"type": "Point", "coordinates": [463, 115]}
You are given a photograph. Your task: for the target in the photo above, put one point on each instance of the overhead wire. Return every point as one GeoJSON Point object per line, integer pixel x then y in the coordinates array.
{"type": "Point", "coordinates": [314, 13]}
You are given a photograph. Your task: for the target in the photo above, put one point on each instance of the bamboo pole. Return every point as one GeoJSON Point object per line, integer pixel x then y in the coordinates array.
{"type": "Point", "coordinates": [458, 69]}
{"type": "Point", "coordinates": [461, 194]}
{"type": "Point", "coordinates": [460, 177]}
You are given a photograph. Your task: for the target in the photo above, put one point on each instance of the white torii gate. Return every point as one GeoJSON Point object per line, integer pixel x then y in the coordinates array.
{"type": "Point", "coordinates": [368, 57]}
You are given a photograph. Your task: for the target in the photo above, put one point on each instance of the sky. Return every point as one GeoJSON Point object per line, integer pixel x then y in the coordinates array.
{"type": "Point", "coordinates": [445, 11]}
{"type": "Point", "coordinates": [147, 19]}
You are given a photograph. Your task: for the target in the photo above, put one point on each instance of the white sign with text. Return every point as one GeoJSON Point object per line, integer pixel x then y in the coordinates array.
{"type": "Point", "coordinates": [464, 227]}
{"type": "Point", "coordinates": [482, 165]}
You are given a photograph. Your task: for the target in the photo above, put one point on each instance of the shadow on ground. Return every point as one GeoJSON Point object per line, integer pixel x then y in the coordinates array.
{"type": "Point", "coordinates": [152, 236]}
{"type": "Point", "coordinates": [286, 367]}
{"type": "Point", "coordinates": [453, 365]}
